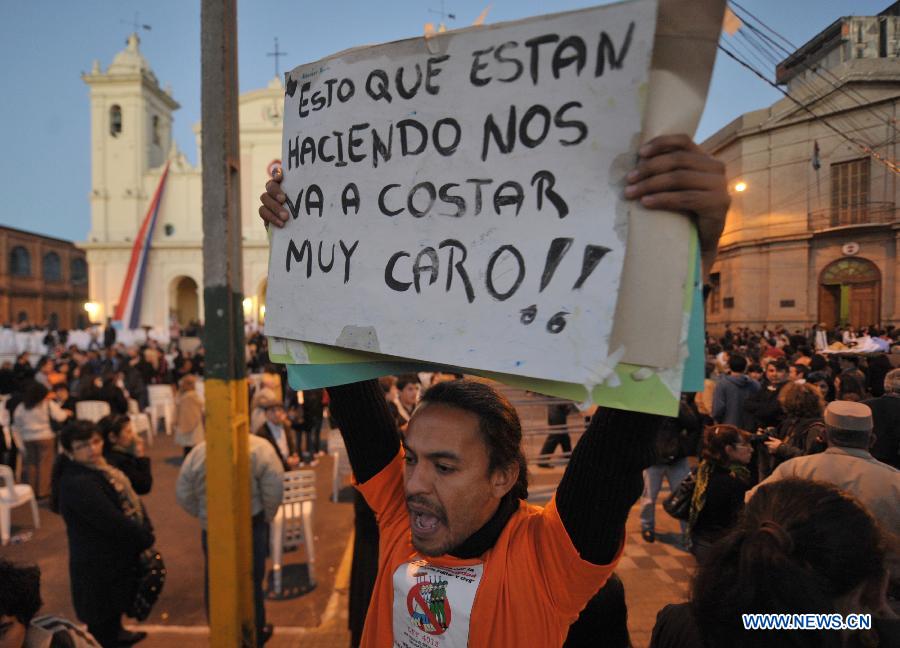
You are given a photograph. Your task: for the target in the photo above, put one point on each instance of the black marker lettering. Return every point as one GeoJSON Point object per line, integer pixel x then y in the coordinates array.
{"type": "Point", "coordinates": [606, 48]}
{"type": "Point", "coordinates": [558, 249]}
{"type": "Point", "coordinates": [392, 283]}
{"type": "Point", "coordinates": [545, 183]}
{"type": "Point", "coordinates": [350, 198]}
{"type": "Point", "coordinates": [592, 256]}
{"type": "Point", "coordinates": [322, 266]}
{"type": "Point", "coordinates": [297, 255]}
{"type": "Point", "coordinates": [453, 244]}
{"type": "Point", "coordinates": [489, 275]}
{"type": "Point", "coordinates": [382, 206]}
{"type": "Point", "coordinates": [347, 255]}
{"type": "Point", "coordinates": [432, 267]}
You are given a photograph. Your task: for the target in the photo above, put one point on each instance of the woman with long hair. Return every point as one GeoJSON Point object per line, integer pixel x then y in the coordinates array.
{"type": "Point", "coordinates": [34, 419]}
{"type": "Point", "coordinates": [722, 479]}
{"type": "Point", "coordinates": [800, 547]}
{"type": "Point", "coordinates": [802, 431]}
{"type": "Point", "coordinates": [107, 528]}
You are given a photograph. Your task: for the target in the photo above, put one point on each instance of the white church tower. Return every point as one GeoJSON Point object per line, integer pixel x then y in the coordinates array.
{"type": "Point", "coordinates": [131, 133]}
{"type": "Point", "coordinates": [131, 146]}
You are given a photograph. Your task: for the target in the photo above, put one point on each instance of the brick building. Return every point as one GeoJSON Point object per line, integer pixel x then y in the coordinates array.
{"type": "Point", "coordinates": [43, 280]}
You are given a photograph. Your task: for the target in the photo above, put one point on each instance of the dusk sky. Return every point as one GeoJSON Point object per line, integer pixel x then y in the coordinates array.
{"type": "Point", "coordinates": [45, 46]}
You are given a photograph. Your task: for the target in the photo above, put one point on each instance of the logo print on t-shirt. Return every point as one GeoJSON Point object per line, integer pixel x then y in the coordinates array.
{"type": "Point", "coordinates": [428, 605]}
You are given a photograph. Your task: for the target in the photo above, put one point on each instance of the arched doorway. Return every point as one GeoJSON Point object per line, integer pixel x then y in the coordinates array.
{"type": "Point", "coordinates": [850, 293]}
{"type": "Point", "coordinates": [185, 303]}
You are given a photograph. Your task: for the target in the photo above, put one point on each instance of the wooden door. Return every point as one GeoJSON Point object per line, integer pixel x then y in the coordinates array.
{"type": "Point", "coordinates": [864, 303]}
{"type": "Point", "coordinates": [830, 304]}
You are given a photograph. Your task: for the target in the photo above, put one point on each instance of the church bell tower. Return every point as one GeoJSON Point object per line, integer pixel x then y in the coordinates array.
{"type": "Point", "coordinates": [131, 133]}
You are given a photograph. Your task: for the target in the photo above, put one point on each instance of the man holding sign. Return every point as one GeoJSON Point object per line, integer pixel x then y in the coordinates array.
{"type": "Point", "coordinates": [464, 560]}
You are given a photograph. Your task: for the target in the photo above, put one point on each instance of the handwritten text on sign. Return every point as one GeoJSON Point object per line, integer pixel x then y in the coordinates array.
{"type": "Point", "coordinates": [458, 199]}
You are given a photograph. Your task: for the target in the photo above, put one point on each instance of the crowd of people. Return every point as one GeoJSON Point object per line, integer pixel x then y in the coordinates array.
{"type": "Point", "coordinates": [791, 509]}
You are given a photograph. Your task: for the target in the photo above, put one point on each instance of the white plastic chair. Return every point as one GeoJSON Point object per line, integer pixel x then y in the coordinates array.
{"type": "Point", "coordinates": [141, 425]}
{"type": "Point", "coordinates": [91, 410]}
{"type": "Point", "coordinates": [293, 523]}
{"type": "Point", "coordinates": [11, 496]}
{"type": "Point", "coordinates": [340, 468]}
{"type": "Point", "coordinates": [162, 405]}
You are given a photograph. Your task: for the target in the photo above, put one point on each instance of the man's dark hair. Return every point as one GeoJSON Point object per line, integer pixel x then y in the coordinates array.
{"type": "Point", "coordinates": [818, 363]}
{"type": "Point", "coordinates": [498, 423]}
{"type": "Point", "coordinates": [407, 379]}
{"type": "Point", "coordinates": [20, 596]}
{"type": "Point", "coordinates": [780, 364]}
{"type": "Point", "coordinates": [737, 363]}
{"type": "Point", "coordinates": [801, 370]}
{"type": "Point", "coordinates": [754, 368]}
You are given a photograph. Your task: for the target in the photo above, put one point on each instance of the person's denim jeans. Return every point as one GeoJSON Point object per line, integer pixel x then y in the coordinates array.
{"type": "Point", "coordinates": [674, 473]}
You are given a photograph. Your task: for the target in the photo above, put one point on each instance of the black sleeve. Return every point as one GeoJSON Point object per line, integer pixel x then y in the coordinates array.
{"type": "Point", "coordinates": [140, 475]}
{"type": "Point", "coordinates": [85, 500]}
{"type": "Point", "coordinates": [603, 479]}
{"type": "Point", "coordinates": [369, 431]}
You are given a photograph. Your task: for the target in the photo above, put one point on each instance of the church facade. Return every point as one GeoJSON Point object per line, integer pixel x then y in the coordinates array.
{"type": "Point", "coordinates": [815, 234]}
{"type": "Point", "coordinates": [131, 148]}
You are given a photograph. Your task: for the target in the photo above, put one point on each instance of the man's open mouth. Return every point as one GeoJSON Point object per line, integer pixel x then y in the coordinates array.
{"type": "Point", "coordinates": [423, 522]}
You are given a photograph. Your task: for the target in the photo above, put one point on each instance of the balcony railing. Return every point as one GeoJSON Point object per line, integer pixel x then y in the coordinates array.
{"type": "Point", "coordinates": [871, 213]}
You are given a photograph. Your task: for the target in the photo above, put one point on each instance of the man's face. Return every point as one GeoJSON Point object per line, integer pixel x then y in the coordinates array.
{"type": "Point", "coordinates": [756, 375]}
{"type": "Point", "coordinates": [822, 386]}
{"type": "Point", "coordinates": [774, 375]}
{"type": "Point", "coordinates": [409, 395]}
{"type": "Point", "coordinates": [12, 632]}
{"type": "Point", "coordinates": [449, 493]}
{"type": "Point", "coordinates": [276, 415]}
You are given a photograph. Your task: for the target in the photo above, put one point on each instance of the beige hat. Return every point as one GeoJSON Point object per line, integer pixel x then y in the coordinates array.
{"type": "Point", "coordinates": [848, 415]}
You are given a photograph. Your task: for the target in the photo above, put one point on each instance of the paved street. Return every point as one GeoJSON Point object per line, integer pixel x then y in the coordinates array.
{"type": "Point", "coordinates": [653, 574]}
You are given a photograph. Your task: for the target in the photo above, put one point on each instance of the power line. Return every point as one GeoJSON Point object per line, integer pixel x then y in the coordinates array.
{"type": "Point", "coordinates": [835, 82]}
{"type": "Point", "coordinates": [865, 148]}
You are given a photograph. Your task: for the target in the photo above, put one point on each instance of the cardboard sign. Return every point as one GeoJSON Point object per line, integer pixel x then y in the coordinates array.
{"type": "Point", "coordinates": [458, 199]}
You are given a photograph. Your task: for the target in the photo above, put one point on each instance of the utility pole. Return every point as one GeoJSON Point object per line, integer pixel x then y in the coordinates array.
{"type": "Point", "coordinates": [231, 609]}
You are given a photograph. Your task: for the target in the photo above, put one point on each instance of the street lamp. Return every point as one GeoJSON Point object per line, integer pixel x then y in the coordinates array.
{"type": "Point", "coordinates": [741, 186]}
{"type": "Point", "coordinates": [92, 308]}
{"type": "Point", "coordinates": [248, 306]}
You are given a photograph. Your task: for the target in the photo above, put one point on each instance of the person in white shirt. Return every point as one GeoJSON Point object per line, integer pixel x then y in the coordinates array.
{"type": "Point", "coordinates": [33, 421]}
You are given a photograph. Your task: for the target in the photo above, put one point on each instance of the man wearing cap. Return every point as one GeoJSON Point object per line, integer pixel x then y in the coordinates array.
{"type": "Point", "coordinates": [848, 464]}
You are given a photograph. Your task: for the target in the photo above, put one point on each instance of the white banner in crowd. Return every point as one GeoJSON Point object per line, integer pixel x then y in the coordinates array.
{"type": "Point", "coordinates": [458, 199]}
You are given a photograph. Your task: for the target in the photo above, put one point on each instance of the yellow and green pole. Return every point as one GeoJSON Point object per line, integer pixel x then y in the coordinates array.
{"type": "Point", "coordinates": [231, 612]}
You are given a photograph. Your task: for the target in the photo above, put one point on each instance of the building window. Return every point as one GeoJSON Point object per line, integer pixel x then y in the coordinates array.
{"type": "Point", "coordinates": [787, 303]}
{"type": "Point", "coordinates": [52, 267]}
{"type": "Point", "coordinates": [728, 302]}
{"type": "Point", "coordinates": [850, 192]}
{"type": "Point", "coordinates": [78, 271]}
{"type": "Point", "coordinates": [156, 137]}
{"type": "Point", "coordinates": [115, 120]}
{"type": "Point", "coordinates": [19, 262]}
{"type": "Point", "coordinates": [715, 292]}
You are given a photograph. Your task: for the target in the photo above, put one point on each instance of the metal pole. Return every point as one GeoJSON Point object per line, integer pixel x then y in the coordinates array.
{"type": "Point", "coordinates": [231, 609]}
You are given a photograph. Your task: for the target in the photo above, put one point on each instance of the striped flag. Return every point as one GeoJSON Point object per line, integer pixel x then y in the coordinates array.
{"type": "Point", "coordinates": [128, 310]}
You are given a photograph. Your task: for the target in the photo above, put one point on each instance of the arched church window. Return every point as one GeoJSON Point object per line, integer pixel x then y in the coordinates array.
{"type": "Point", "coordinates": [19, 262]}
{"type": "Point", "coordinates": [157, 139]}
{"type": "Point", "coordinates": [52, 267]}
{"type": "Point", "coordinates": [115, 120]}
{"type": "Point", "coordinates": [78, 271]}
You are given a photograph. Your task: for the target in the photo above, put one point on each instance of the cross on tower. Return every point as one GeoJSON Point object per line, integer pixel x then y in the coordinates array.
{"type": "Point", "coordinates": [277, 54]}
{"type": "Point", "coordinates": [136, 25]}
